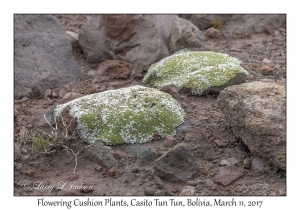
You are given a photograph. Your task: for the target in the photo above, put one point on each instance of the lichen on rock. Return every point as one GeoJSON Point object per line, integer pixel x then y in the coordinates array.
{"type": "Point", "coordinates": [126, 115]}
{"type": "Point", "coordinates": [196, 71]}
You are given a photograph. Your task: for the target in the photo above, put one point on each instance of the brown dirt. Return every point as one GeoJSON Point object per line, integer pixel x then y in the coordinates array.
{"type": "Point", "coordinates": [41, 171]}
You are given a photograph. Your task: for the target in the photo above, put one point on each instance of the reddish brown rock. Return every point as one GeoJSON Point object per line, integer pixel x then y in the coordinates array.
{"type": "Point", "coordinates": [170, 141]}
{"type": "Point", "coordinates": [156, 136]}
{"type": "Point", "coordinates": [73, 177]}
{"type": "Point", "coordinates": [171, 89]}
{"type": "Point", "coordinates": [112, 69]}
{"type": "Point", "coordinates": [212, 33]}
{"type": "Point", "coordinates": [118, 154]}
{"type": "Point", "coordinates": [228, 174]}
{"type": "Point", "coordinates": [112, 172]}
{"type": "Point", "coordinates": [266, 70]}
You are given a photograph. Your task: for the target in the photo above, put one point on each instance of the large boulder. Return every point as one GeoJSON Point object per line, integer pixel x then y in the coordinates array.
{"type": "Point", "coordinates": [178, 164]}
{"type": "Point", "coordinates": [249, 24]}
{"type": "Point", "coordinates": [196, 71]}
{"type": "Point", "coordinates": [256, 111]}
{"type": "Point", "coordinates": [127, 115]}
{"type": "Point", "coordinates": [43, 56]}
{"type": "Point", "coordinates": [137, 39]}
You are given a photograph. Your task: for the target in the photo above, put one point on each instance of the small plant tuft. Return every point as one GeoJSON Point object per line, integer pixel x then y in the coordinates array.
{"type": "Point", "coordinates": [40, 144]}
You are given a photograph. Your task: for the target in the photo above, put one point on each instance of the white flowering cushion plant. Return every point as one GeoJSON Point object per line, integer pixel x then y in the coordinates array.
{"type": "Point", "coordinates": [127, 115]}
{"type": "Point", "coordinates": [196, 71]}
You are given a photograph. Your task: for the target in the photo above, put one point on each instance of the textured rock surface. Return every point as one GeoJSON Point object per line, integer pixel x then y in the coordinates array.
{"type": "Point", "coordinates": [127, 115]}
{"type": "Point", "coordinates": [178, 164]}
{"type": "Point", "coordinates": [199, 146]}
{"type": "Point", "coordinates": [196, 71]}
{"type": "Point", "coordinates": [249, 24]}
{"type": "Point", "coordinates": [42, 56]}
{"type": "Point", "coordinates": [256, 111]}
{"type": "Point", "coordinates": [101, 155]}
{"type": "Point", "coordinates": [112, 69]}
{"type": "Point", "coordinates": [137, 39]}
{"type": "Point", "coordinates": [228, 174]}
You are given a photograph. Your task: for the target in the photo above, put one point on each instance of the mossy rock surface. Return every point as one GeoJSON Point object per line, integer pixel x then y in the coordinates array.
{"type": "Point", "coordinates": [196, 71]}
{"type": "Point", "coordinates": [127, 115]}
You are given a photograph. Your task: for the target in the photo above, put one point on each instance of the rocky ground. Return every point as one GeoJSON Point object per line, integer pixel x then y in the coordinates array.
{"type": "Point", "coordinates": [263, 55]}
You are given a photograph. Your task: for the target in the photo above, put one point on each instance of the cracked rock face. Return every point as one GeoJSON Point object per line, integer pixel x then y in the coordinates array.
{"type": "Point", "coordinates": [127, 115]}
{"type": "Point", "coordinates": [256, 111]}
{"type": "Point", "coordinates": [196, 71]}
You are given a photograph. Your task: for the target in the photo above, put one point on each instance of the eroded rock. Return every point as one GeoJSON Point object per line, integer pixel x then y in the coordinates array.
{"type": "Point", "coordinates": [178, 164]}
{"type": "Point", "coordinates": [256, 111]}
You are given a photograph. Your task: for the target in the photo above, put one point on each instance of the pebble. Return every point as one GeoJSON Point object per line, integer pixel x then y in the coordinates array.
{"type": "Point", "coordinates": [266, 70]}
{"type": "Point", "coordinates": [188, 191]}
{"type": "Point", "coordinates": [247, 163]}
{"type": "Point", "coordinates": [225, 162]}
{"type": "Point", "coordinates": [97, 167]}
{"type": "Point", "coordinates": [159, 193]}
{"type": "Point", "coordinates": [221, 143]}
{"type": "Point", "coordinates": [148, 191]}
{"type": "Point", "coordinates": [29, 172]}
{"type": "Point", "coordinates": [228, 174]}
{"type": "Point", "coordinates": [73, 177]}
{"type": "Point", "coordinates": [112, 172]}
{"type": "Point", "coordinates": [234, 160]}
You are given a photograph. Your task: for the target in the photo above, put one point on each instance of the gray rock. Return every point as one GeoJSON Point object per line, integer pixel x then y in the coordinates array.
{"type": "Point", "coordinates": [43, 56]}
{"type": "Point", "coordinates": [143, 154]}
{"type": "Point", "coordinates": [228, 174]}
{"type": "Point", "coordinates": [184, 34]}
{"type": "Point", "coordinates": [249, 24]}
{"type": "Point", "coordinates": [178, 164]}
{"type": "Point", "coordinates": [199, 146]}
{"type": "Point", "coordinates": [188, 191]}
{"type": "Point", "coordinates": [101, 154]}
{"type": "Point", "coordinates": [140, 40]}
{"type": "Point", "coordinates": [256, 111]}
{"type": "Point", "coordinates": [159, 193]}
{"type": "Point", "coordinates": [259, 165]}
{"type": "Point", "coordinates": [234, 160]}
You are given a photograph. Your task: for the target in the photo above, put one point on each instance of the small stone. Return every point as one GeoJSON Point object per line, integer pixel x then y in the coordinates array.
{"type": "Point", "coordinates": [234, 160]}
{"type": "Point", "coordinates": [228, 174]}
{"type": "Point", "coordinates": [265, 60]}
{"type": "Point", "coordinates": [148, 191]}
{"type": "Point", "coordinates": [170, 141]}
{"type": "Point", "coordinates": [175, 190]}
{"type": "Point", "coordinates": [159, 193]}
{"type": "Point", "coordinates": [128, 194]}
{"type": "Point", "coordinates": [54, 95]}
{"type": "Point", "coordinates": [73, 177]}
{"type": "Point", "coordinates": [112, 172]}
{"type": "Point", "coordinates": [221, 143]}
{"type": "Point", "coordinates": [225, 163]}
{"type": "Point", "coordinates": [97, 167]}
{"type": "Point", "coordinates": [156, 136]}
{"type": "Point", "coordinates": [192, 183]}
{"type": "Point", "coordinates": [61, 92]}
{"type": "Point", "coordinates": [247, 163]}
{"type": "Point", "coordinates": [230, 152]}
{"type": "Point", "coordinates": [118, 155]}
{"type": "Point", "coordinates": [188, 191]}
{"type": "Point", "coordinates": [259, 165]}
{"type": "Point", "coordinates": [212, 33]}
{"type": "Point", "coordinates": [266, 70]}
{"type": "Point", "coordinates": [86, 188]}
